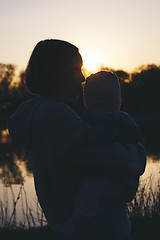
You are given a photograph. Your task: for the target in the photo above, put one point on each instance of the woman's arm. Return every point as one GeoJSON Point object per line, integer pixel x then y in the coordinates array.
{"type": "Point", "coordinates": [64, 123]}
{"type": "Point", "coordinates": [131, 158]}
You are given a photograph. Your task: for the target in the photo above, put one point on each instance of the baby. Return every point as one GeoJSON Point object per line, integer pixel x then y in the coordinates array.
{"type": "Point", "coordinates": [102, 97]}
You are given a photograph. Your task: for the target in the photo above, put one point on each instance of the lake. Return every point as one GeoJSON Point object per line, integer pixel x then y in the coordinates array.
{"type": "Point", "coordinates": [18, 202]}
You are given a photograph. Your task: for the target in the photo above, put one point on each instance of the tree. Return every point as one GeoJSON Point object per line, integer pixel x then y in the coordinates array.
{"type": "Point", "coordinates": [18, 91]}
{"type": "Point", "coordinates": [146, 87]}
{"type": "Point", "coordinates": [7, 73]}
{"type": "Point", "coordinates": [122, 75]}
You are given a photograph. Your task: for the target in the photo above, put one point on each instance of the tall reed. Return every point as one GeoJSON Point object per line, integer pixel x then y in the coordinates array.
{"type": "Point", "coordinates": [146, 204]}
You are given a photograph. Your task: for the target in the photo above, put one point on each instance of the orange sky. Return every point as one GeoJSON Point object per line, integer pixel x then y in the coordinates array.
{"type": "Point", "coordinates": [116, 33]}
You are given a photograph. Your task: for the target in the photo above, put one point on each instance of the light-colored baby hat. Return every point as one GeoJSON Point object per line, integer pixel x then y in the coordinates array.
{"type": "Point", "coordinates": [102, 88]}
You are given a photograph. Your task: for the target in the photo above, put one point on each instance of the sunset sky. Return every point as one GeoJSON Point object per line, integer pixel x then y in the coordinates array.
{"type": "Point", "coordinates": [115, 33]}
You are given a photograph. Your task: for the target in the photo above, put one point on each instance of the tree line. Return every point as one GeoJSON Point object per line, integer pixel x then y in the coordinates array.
{"type": "Point", "coordinates": [140, 89]}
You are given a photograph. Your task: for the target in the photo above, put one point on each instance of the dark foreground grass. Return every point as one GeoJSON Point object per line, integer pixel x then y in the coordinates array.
{"type": "Point", "coordinates": [142, 229]}
{"type": "Point", "coordinates": [39, 233]}
{"type": "Point", "coordinates": [145, 228]}
{"type": "Point", "coordinates": [144, 213]}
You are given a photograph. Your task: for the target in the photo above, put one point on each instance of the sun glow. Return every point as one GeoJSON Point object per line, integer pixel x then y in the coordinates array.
{"type": "Point", "coordinates": [91, 63]}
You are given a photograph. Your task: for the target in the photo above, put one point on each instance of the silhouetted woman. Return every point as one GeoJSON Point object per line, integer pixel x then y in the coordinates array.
{"type": "Point", "coordinates": [47, 128]}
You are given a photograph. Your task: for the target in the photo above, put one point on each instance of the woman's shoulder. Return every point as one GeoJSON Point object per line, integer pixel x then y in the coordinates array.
{"type": "Point", "coordinates": [51, 106]}
{"type": "Point", "coordinates": [55, 111]}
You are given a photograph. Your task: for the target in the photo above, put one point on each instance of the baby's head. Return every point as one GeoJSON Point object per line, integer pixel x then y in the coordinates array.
{"type": "Point", "coordinates": [102, 91]}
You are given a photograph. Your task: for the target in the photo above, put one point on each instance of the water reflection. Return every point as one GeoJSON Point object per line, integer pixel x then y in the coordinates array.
{"type": "Point", "coordinates": [4, 137]}
{"type": "Point", "coordinates": [10, 156]}
{"type": "Point", "coordinates": [18, 201]}
{"type": "Point", "coordinates": [151, 177]}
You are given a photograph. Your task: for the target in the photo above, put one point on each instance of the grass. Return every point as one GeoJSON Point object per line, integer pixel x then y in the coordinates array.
{"type": "Point", "coordinates": [8, 215]}
{"type": "Point", "coordinates": [39, 233]}
{"type": "Point", "coordinates": [144, 213]}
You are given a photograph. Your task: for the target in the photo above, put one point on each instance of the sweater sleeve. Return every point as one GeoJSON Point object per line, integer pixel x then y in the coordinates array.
{"type": "Point", "coordinates": [104, 129]}
{"type": "Point", "coordinates": [64, 123]}
{"type": "Point", "coordinates": [70, 130]}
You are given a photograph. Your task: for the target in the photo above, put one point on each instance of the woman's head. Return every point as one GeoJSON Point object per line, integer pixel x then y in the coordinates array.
{"type": "Point", "coordinates": [54, 70]}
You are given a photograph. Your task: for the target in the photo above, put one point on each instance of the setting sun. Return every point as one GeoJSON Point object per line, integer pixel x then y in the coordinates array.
{"type": "Point", "coordinates": [91, 63]}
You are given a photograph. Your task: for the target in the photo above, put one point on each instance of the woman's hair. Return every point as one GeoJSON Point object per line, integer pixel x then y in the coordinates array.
{"type": "Point", "coordinates": [47, 61]}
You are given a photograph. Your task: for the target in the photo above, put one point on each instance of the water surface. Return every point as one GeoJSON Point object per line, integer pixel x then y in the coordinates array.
{"type": "Point", "coordinates": [18, 201]}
